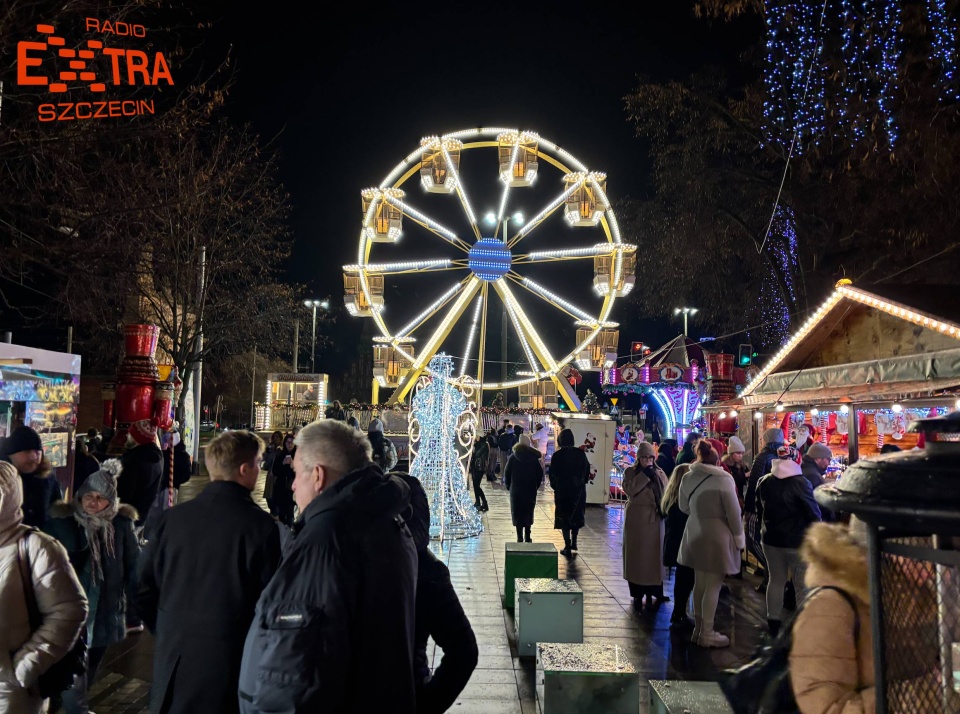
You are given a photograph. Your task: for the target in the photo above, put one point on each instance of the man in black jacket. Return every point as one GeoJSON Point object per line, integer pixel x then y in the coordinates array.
{"type": "Point", "coordinates": [203, 574]}
{"type": "Point", "coordinates": [439, 615]}
{"type": "Point", "coordinates": [142, 469]}
{"type": "Point", "coordinates": [334, 629]}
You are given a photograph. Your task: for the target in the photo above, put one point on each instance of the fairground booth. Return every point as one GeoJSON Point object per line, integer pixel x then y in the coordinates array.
{"type": "Point", "coordinates": [291, 399]}
{"type": "Point", "coordinates": [41, 389]}
{"type": "Point", "coordinates": [867, 363]}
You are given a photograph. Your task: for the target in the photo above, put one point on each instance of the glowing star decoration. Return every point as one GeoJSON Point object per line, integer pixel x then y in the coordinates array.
{"type": "Point", "coordinates": [443, 425]}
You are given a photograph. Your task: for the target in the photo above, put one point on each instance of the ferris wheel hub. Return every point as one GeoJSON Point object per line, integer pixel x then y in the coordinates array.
{"type": "Point", "coordinates": [489, 259]}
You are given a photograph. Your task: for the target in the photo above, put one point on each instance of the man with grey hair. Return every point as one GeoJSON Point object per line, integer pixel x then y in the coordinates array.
{"type": "Point", "coordinates": [343, 597]}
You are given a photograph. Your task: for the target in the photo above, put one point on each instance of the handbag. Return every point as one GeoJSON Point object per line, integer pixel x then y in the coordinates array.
{"type": "Point", "coordinates": [762, 685]}
{"type": "Point", "coordinates": [63, 673]}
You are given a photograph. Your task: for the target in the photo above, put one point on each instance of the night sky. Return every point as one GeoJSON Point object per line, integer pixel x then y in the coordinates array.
{"type": "Point", "coordinates": [347, 99]}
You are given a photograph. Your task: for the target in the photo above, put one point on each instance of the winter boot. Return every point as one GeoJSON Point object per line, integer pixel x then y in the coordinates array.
{"type": "Point", "coordinates": [712, 638]}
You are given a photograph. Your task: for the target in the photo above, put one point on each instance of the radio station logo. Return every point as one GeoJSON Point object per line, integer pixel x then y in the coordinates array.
{"type": "Point", "coordinates": [96, 67]}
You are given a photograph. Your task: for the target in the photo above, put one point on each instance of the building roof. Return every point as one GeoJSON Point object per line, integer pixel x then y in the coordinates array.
{"type": "Point", "coordinates": [869, 343]}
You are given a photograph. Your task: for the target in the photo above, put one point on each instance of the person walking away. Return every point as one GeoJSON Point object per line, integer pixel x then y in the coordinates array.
{"type": "Point", "coordinates": [493, 457]}
{"type": "Point", "coordinates": [674, 525]}
{"type": "Point", "coordinates": [772, 441]}
{"type": "Point", "coordinates": [785, 508]}
{"type": "Point", "coordinates": [569, 472]}
{"type": "Point", "coordinates": [39, 485]}
{"type": "Point", "coordinates": [343, 596]}
{"type": "Point", "coordinates": [522, 477]}
{"type": "Point", "coordinates": [643, 528]}
{"type": "Point", "coordinates": [31, 648]}
{"type": "Point", "coordinates": [384, 452]}
{"type": "Point", "coordinates": [655, 437]}
{"type": "Point", "coordinates": [732, 461]}
{"type": "Point", "coordinates": [269, 455]}
{"type": "Point", "coordinates": [439, 617]}
{"type": "Point", "coordinates": [831, 655]}
{"type": "Point", "coordinates": [99, 536]}
{"type": "Point", "coordinates": [200, 602]}
{"type": "Point", "coordinates": [712, 539]}
{"type": "Point", "coordinates": [506, 440]}
{"type": "Point", "coordinates": [84, 464]}
{"type": "Point", "coordinates": [665, 461]}
{"type": "Point", "coordinates": [478, 467]}
{"type": "Point", "coordinates": [283, 476]}
{"type": "Point", "coordinates": [813, 467]}
{"type": "Point", "coordinates": [142, 470]}
{"type": "Point", "coordinates": [688, 453]}
{"type": "Point", "coordinates": [539, 439]}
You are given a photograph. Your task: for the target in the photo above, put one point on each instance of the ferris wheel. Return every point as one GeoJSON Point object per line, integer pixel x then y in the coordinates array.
{"type": "Point", "coordinates": [483, 269]}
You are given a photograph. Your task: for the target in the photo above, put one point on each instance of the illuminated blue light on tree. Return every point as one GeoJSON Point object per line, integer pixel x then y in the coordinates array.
{"type": "Point", "coordinates": [777, 292]}
{"type": "Point", "coordinates": [489, 259]}
{"type": "Point", "coordinates": [944, 47]}
{"type": "Point", "coordinates": [443, 425]}
{"type": "Point", "coordinates": [890, 59]}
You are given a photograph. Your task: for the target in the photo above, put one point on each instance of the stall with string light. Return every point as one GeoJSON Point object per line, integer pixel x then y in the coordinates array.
{"type": "Point", "coordinates": [868, 362]}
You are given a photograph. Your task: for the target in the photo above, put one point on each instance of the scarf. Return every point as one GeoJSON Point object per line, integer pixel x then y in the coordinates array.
{"type": "Point", "coordinates": [99, 530]}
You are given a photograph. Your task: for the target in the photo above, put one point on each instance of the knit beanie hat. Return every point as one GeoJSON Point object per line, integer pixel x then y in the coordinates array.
{"type": "Point", "coordinates": [819, 451]}
{"type": "Point", "coordinates": [645, 448]}
{"type": "Point", "coordinates": [375, 425]}
{"type": "Point", "coordinates": [773, 436]}
{"type": "Point", "coordinates": [23, 438]}
{"type": "Point", "coordinates": [103, 481]}
{"type": "Point", "coordinates": [735, 445]}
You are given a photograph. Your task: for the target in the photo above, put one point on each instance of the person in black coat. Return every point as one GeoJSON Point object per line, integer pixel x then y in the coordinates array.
{"type": "Point", "coordinates": [478, 467]}
{"type": "Point", "coordinates": [674, 525]}
{"type": "Point", "coordinates": [199, 601]}
{"type": "Point", "coordinates": [334, 629]}
{"type": "Point", "coordinates": [282, 472]}
{"type": "Point", "coordinates": [40, 486]}
{"type": "Point", "coordinates": [569, 472]}
{"type": "Point", "coordinates": [522, 477]}
{"type": "Point", "coordinates": [772, 441]}
{"type": "Point", "coordinates": [440, 616]}
{"type": "Point", "coordinates": [665, 459]}
{"type": "Point", "coordinates": [182, 464]}
{"type": "Point", "coordinates": [142, 470]}
{"type": "Point", "coordinates": [84, 464]}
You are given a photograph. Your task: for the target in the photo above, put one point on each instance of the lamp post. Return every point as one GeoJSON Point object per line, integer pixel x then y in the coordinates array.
{"type": "Point", "coordinates": [491, 219]}
{"type": "Point", "coordinates": [687, 311]}
{"type": "Point", "coordinates": [314, 304]}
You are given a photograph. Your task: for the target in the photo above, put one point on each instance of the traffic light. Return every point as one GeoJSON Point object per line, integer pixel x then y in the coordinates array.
{"type": "Point", "coordinates": [636, 349]}
{"type": "Point", "coordinates": [745, 358]}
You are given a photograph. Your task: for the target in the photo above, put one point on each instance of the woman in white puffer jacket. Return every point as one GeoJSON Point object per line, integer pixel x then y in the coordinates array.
{"type": "Point", "coordinates": [25, 654]}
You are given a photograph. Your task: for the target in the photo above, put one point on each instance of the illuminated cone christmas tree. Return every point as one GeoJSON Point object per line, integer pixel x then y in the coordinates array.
{"type": "Point", "coordinates": [443, 424]}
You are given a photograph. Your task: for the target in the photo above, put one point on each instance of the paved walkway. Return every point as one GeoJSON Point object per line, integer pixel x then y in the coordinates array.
{"type": "Point", "coordinates": [504, 683]}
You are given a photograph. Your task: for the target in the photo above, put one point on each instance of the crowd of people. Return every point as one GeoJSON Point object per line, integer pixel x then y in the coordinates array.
{"type": "Point", "coordinates": [298, 601]}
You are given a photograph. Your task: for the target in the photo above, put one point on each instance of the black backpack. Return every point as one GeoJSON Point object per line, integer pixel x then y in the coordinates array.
{"type": "Point", "coordinates": [762, 685]}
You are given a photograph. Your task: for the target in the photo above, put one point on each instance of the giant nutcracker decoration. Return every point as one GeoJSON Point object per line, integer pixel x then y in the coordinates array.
{"type": "Point", "coordinates": [139, 403]}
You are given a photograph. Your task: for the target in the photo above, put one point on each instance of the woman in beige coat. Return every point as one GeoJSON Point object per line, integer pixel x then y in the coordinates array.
{"type": "Point", "coordinates": [831, 660]}
{"type": "Point", "coordinates": [643, 528]}
{"type": "Point", "coordinates": [712, 538]}
{"type": "Point", "coordinates": [26, 653]}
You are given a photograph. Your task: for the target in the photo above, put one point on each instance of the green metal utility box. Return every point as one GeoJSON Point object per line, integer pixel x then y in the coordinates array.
{"type": "Point", "coordinates": [527, 560]}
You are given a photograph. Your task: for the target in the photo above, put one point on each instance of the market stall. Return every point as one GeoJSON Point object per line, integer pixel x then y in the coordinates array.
{"type": "Point", "coordinates": [866, 364]}
{"type": "Point", "coordinates": [41, 389]}
{"type": "Point", "coordinates": [291, 400]}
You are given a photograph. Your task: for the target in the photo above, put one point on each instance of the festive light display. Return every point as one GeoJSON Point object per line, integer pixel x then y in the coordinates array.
{"type": "Point", "coordinates": [443, 426]}
{"type": "Point", "coordinates": [486, 260]}
{"type": "Point", "coordinates": [863, 86]}
{"type": "Point", "coordinates": [774, 310]}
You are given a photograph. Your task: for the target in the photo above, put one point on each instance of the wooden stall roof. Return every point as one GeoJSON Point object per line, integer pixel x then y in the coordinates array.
{"type": "Point", "coordinates": [868, 342]}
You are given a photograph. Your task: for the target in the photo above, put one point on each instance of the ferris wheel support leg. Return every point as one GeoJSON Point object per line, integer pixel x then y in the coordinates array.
{"type": "Point", "coordinates": [375, 392]}
{"type": "Point", "coordinates": [567, 393]}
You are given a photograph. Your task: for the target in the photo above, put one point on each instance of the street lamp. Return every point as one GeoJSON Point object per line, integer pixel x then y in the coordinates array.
{"type": "Point", "coordinates": [687, 311]}
{"type": "Point", "coordinates": [325, 304]}
{"type": "Point", "coordinates": [491, 219]}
